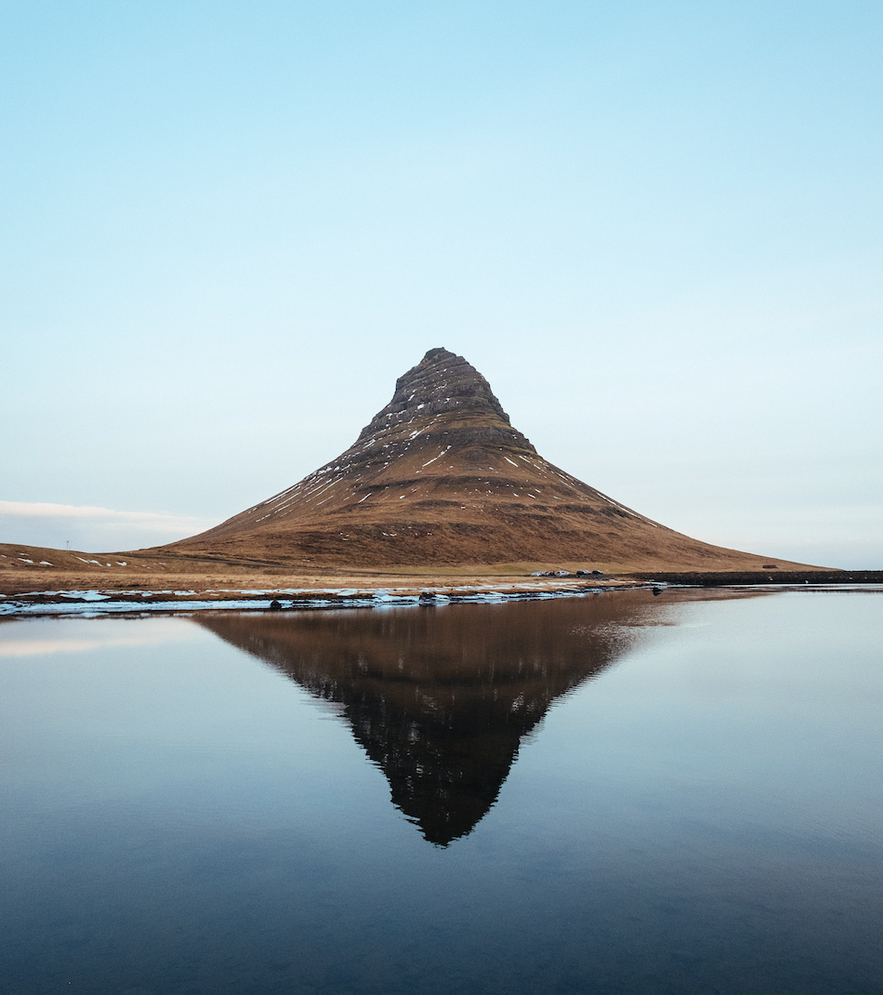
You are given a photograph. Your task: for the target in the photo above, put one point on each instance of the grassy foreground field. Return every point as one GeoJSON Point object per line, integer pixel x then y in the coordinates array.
{"type": "Point", "coordinates": [31, 568]}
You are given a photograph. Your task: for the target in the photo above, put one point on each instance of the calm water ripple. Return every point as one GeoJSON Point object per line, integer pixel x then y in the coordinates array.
{"type": "Point", "coordinates": [616, 794]}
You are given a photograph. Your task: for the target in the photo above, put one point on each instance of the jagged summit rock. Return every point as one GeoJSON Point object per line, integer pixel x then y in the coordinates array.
{"type": "Point", "coordinates": [440, 477]}
{"type": "Point", "coordinates": [442, 397]}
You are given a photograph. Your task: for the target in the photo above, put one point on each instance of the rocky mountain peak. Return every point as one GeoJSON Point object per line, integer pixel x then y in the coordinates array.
{"type": "Point", "coordinates": [443, 388]}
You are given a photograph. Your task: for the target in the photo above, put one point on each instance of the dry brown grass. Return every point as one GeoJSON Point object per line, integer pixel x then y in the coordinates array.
{"type": "Point", "coordinates": [144, 572]}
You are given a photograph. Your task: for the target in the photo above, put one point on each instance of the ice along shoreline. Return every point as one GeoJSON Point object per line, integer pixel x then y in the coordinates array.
{"type": "Point", "coordinates": [97, 603]}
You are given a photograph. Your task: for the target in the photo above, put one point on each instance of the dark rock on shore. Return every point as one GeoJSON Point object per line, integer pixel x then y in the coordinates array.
{"type": "Point", "coordinates": [726, 578]}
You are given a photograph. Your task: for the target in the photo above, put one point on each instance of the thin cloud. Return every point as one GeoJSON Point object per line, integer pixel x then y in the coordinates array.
{"type": "Point", "coordinates": [40, 523]}
{"type": "Point", "coordinates": [141, 519]}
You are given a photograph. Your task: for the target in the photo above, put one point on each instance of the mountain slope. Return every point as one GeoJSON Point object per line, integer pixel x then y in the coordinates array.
{"type": "Point", "coordinates": [440, 477]}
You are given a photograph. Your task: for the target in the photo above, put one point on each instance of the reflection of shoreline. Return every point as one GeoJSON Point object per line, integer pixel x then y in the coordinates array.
{"type": "Point", "coordinates": [440, 699]}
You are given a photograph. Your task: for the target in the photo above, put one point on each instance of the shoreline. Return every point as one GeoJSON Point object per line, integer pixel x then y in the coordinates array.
{"type": "Point", "coordinates": [104, 602]}
{"type": "Point", "coordinates": [97, 602]}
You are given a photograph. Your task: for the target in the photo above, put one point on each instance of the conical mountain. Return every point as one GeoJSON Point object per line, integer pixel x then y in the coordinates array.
{"type": "Point", "coordinates": [440, 477]}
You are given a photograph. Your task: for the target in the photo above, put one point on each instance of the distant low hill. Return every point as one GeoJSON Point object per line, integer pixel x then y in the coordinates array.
{"type": "Point", "coordinates": [440, 478]}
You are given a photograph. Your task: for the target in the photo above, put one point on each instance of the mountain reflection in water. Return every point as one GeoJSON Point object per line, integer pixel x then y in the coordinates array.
{"type": "Point", "coordinates": [441, 698]}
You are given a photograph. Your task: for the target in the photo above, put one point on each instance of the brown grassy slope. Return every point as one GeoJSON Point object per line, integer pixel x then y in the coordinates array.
{"type": "Point", "coordinates": [26, 569]}
{"type": "Point", "coordinates": [463, 514]}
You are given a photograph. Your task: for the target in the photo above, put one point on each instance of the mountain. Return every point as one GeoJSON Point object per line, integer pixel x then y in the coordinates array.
{"type": "Point", "coordinates": [439, 477]}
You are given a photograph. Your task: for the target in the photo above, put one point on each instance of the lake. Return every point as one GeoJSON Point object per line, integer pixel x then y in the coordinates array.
{"type": "Point", "coordinates": [622, 793]}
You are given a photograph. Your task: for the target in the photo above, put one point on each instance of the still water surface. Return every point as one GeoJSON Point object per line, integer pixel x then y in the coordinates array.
{"type": "Point", "coordinates": [617, 794]}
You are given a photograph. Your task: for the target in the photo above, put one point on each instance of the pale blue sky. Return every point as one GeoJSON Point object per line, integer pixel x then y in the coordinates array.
{"type": "Point", "coordinates": [654, 227]}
